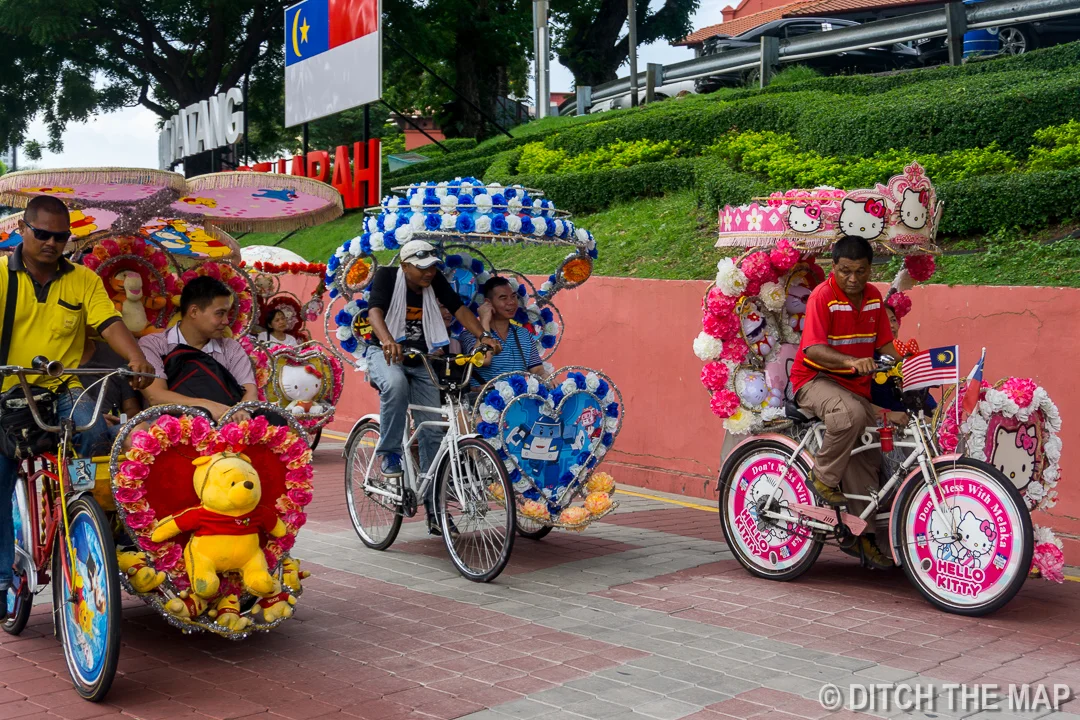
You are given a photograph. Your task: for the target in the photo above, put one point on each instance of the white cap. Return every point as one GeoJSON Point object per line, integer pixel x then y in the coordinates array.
{"type": "Point", "coordinates": [418, 253]}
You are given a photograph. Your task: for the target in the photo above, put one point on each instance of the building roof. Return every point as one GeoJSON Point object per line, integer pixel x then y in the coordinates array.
{"type": "Point", "coordinates": [799, 8]}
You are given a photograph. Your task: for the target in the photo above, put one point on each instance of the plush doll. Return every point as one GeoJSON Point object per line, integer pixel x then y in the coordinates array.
{"type": "Point", "coordinates": [141, 576]}
{"type": "Point", "coordinates": [302, 384]}
{"type": "Point", "coordinates": [293, 574]}
{"type": "Point", "coordinates": [225, 529]}
{"type": "Point", "coordinates": [132, 304]}
{"type": "Point", "coordinates": [186, 606]}
{"type": "Point", "coordinates": [227, 614]}
{"type": "Point", "coordinates": [276, 607]}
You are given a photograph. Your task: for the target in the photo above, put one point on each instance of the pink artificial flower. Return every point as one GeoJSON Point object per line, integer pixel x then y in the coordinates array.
{"type": "Point", "coordinates": [1021, 390]}
{"type": "Point", "coordinates": [237, 283]}
{"type": "Point", "coordinates": [244, 306]}
{"type": "Point", "coordinates": [134, 470]}
{"type": "Point", "coordinates": [920, 267]}
{"type": "Point", "coordinates": [189, 276]}
{"type": "Point", "coordinates": [149, 545]}
{"type": "Point", "coordinates": [735, 350]}
{"type": "Point", "coordinates": [752, 288]}
{"type": "Point", "coordinates": [722, 328]}
{"type": "Point", "coordinates": [181, 581]}
{"type": "Point", "coordinates": [300, 497]}
{"type": "Point", "coordinates": [159, 261]}
{"type": "Point", "coordinates": [718, 303]}
{"type": "Point", "coordinates": [139, 520]}
{"type": "Point", "coordinates": [92, 261]}
{"type": "Point", "coordinates": [783, 257]}
{"type": "Point", "coordinates": [900, 304]}
{"type": "Point", "coordinates": [257, 428]}
{"type": "Point", "coordinates": [171, 427]}
{"type": "Point", "coordinates": [129, 495]}
{"type": "Point", "coordinates": [724, 403]}
{"type": "Point", "coordinates": [271, 556]}
{"type": "Point", "coordinates": [1050, 561]}
{"type": "Point", "coordinates": [280, 434]}
{"type": "Point", "coordinates": [138, 246]}
{"type": "Point", "coordinates": [300, 474]}
{"type": "Point", "coordinates": [111, 247]}
{"type": "Point", "coordinates": [142, 440]}
{"type": "Point", "coordinates": [714, 376]}
{"type": "Point", "coordinates": [233, 435]}
{"type": "Point", "coordinates": [170, 285]}
{"type": "Point", "coordinates": [286, 542]}
{"type": "Point", "coordinates": [295, 518]}
{"type": "Point", "coordinates": [169, 559]}
{"type": "Point", "coordinates": [212, 270]}
{"type": "Point", "coordinates": [757, 266]}
{"type": "Point", "coordinates": [294, 451]}
{"type": "Point", "coordinates": [200, 428]}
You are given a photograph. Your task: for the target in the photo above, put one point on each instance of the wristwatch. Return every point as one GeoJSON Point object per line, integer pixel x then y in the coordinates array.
{"type": "Point", "coordinates": [487, 336]}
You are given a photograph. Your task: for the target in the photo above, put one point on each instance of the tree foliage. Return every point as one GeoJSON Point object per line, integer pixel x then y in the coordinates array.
{"type": "Point", "coordinates": [590, 37]}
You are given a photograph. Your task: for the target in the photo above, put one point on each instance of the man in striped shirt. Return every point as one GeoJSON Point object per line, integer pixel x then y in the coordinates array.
{"type": "Point", "coordinates": [845, 324]}
{"type": "Point", "coordinates": [497, 317]}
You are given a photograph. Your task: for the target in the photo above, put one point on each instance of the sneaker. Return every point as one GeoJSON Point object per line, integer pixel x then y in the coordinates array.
{"type": "Point", "coordinates": [829, 494]}
{"type": "Point", "coordinates": [434, 529]}
{"type": "Point", "coordinates": [867, 551]}
{"type": "Point", "coordinates": [391, 465]}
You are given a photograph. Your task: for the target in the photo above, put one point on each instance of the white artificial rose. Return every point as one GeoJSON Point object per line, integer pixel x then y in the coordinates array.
{"type": "Point", "coordinates": [532, 383]}
{"type": "Point", "coordinates": [448, 222]}
{"type": "Point", "coordinates": [389, 221]}
{"type": "Point", "coordinates": [707, 348]}
{"type": "Point", "coordinates": [539, 227]}
{"type": "Point", "coordinates": [600, 451]}
{"type": "Point", "coordinates": [494, 188]}
{"type": "Point", "coordinates": [1051, 474]}
{"type": "Point", "coordinates": [1052, 448]}
{"type": "Point", "coordinates": [369, 224]}
{"type": "Point", "coordinates": [546, 287]}
{"type": "Point", "coordinates": [773, 295]}
{"type": "Point", "coordinates": [344, 333]}
{"type": "Point", "coordinates": [611, 396]}
{"type": "Point", "coordinates": [1035, 491]}
{"type": "Point", "coordinates": [416, 202]}
{"type": "Point", "coordinates": [514, 205]}
{"type": "Point", "coordinates": [548, 368]}
{"type": "Point", "coordinates": [592, 381]}
{"type": "Point", "coordinates": [560, 228]}
{"type": "Point", "coordinates": [611, 424]}
{"type": "Point", "coordinates": [513, 223]}
{"type": "Point", "coordinates": [575, 469]}
{"type": "Point", "coordinates": [448, 203]}
{"type": "Point", "coordinates": [440, 190]}
{"type": "Point", "coordinates": [582, 235]}
{"type": "Point", "coordinates": [361, 361]}
{"type": "Point", "coordinates": [483, 203]}
{"type": "Point", "coordinates": [377, 242]}
{"type": "Point", "coordinates": [489, 414]}
{"type": "Point", "coordinates": [354, 247]}
{"type": "Point", "coordinates": [534, 314]}
{"type": "Point", "coordinates": [483, 224]}
{"type": "Point", "coordinates": [403, 234]}
{"type": "Point", "coordinates": [568, 386]}
{"type": "Point", "coordinates": [504, 390]}
{"type": "Point", "coordinates": [548, 408]}
{"type": "Point", "coordinates": [416, 221]}
{"type": "Point", "coordinates": [551, 329]}
{"type": "Point", "coordinates": [729, 278]}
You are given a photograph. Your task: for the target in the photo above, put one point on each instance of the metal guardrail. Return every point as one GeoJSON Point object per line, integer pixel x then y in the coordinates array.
{"type": "Point", "coordinates": [934, 23]}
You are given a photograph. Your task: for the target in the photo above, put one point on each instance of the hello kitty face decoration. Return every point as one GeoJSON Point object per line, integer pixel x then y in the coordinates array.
{"type": "Point", "coordinates": [757, 328]}
{"type": "Point", "coordinates": [903, 214]}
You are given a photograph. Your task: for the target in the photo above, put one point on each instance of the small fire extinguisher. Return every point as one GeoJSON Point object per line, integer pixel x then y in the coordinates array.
{"type": "Point", "coordinates": [885, 434]}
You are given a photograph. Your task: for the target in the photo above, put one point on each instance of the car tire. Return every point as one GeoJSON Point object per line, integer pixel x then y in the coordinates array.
{"type": "Point", "coordinates": [1017, 39]}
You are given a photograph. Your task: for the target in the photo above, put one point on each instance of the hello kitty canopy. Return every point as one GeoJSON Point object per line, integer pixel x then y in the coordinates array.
{"type": "Point", "coordinates": [902, 216]}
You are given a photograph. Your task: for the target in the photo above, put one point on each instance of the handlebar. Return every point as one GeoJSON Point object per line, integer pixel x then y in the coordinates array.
{"type": "Point", "coordinates": [476, 360]}
{"type": "Point", "coordinates": [43, 367]}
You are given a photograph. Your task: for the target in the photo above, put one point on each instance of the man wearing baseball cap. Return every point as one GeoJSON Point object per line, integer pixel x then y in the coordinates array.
{"type": "Point", "coordinates": [405, 316]}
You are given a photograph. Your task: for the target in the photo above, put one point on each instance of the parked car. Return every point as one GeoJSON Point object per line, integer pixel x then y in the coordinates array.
{"type": "Point", "coordinates": [1014, 39]}
{"type": "Point", "coordinates": [870, 60]}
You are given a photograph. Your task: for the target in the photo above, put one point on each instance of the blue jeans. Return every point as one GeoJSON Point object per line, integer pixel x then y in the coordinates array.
{"type": "Point", "coordinates": [399, 386]}
{"type": "Point", "coordinates": [84, 446]}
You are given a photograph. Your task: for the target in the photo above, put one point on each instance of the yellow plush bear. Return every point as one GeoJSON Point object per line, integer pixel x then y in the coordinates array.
{"type": "Point", "coordinates": [141, 576]}
{"type": "Point", "coordinates": [225, 528]}
{"type": "Point", "coordinates": [227, 614]}
{"type": "Point", "coordinates": [186, 606]}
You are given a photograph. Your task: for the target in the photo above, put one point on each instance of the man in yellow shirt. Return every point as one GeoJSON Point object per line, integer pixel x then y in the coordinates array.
{"type": "Point", "coordinates": [56, 301]}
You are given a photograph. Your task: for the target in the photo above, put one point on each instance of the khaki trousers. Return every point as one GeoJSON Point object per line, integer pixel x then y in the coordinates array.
{"type": "Point", "coordinates": [845, 415]}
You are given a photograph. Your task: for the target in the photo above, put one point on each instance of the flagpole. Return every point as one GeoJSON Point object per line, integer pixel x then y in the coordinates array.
{"type": "Point", "coordinates": [956, 402]}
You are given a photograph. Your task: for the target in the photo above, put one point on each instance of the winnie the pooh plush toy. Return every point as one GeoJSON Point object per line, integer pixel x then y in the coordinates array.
{"type": "Point", "coordinates": [225, 529]}
{"type": "Point", "coordinates": [141, 576]}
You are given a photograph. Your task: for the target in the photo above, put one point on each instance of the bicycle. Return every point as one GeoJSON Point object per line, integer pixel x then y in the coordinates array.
{"type": "Point", "coordinates": [473, 495]}
{"type": "Point", "coordinates": [51, 502]}
{"type": "Point", "coordinates": [957, 526]}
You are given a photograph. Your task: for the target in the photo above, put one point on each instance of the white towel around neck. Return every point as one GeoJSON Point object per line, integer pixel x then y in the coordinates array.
{"type": "Point", "coordinates": [434, 329]}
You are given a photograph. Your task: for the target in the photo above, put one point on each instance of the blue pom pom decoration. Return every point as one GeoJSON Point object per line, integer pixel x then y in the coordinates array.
{"type": "Point", "coordinates": [454, 261]}
{"type": "Point", "coordinates": [477, 266]}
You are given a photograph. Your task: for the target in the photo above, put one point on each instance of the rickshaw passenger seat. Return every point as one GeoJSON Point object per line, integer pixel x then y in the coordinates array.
{"type": "Point", "coordinates": [797, 414]}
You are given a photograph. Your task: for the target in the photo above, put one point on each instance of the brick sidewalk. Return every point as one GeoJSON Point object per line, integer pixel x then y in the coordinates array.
{"type": "Point", "coordinates": [645, 615]}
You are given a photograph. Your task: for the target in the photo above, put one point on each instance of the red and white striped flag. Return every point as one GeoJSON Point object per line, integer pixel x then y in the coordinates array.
{"type": "Point", "coordinates": [936, 366]}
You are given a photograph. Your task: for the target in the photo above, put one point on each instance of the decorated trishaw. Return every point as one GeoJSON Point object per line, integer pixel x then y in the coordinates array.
{"type": "Point", "coordinates": [148, 516]}
{"type": "Point", "coordinates": [305, 378]}
{"type": "Point", "coordinates": [957, 482]}
{"type": "Point", "coordinates": [544, 435]}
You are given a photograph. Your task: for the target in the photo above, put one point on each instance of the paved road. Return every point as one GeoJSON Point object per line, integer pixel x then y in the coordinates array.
{"type": "Point", "coordinates": [645, 615]}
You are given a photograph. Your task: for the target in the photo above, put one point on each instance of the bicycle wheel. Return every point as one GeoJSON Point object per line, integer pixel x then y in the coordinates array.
{"type": "Point", "coordinates": [376, 518]}
{"type": "Point", "coordinates": [531, 529]}
{"type": "Point", "coordinates": [767, 548]}
{"type": "Point", "coordinates": [88, 589]}
{"type": "Point", "coordinates": [20, 599]}
{"type": "Point", "coordinates": [477, 527]}
{"type": "Point", "coordinates": [974, 559]}
{"type": "Point", "coordinates": [315, 439]}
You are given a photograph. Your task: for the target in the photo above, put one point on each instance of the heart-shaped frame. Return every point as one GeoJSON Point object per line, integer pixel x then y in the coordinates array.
{"type": "Point", "coordinates": [146, 489]}
{"type": "Point", "coordinates": [325, 361]}
{"type": "Point", "coordinates": [522, 418]}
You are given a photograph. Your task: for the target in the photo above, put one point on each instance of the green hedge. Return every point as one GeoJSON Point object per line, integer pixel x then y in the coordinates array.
{"type": "Point", "coordinates": [1025, 200]}
{"type": "Point", "coordinates": [717, 184]}
{"type": "Point", "coordinates": [584, 192]}
{"type": "Point", "coordinates": [502, 166]}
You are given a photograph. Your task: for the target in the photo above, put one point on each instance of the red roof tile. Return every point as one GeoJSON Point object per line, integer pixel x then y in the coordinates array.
{"type": "Point", "coordinates": [800, 8]}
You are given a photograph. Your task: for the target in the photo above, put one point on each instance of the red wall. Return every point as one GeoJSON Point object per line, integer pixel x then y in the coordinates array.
{"type": "Point", "coordinates": [640, 333]}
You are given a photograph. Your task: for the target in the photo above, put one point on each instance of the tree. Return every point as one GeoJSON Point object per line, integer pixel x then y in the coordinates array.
{"type": "Point", "coordinates": [591, 41]}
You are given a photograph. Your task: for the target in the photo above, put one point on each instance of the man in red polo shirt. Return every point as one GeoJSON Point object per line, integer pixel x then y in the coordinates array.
{"type": "Point", "coordinates": [845, 324]}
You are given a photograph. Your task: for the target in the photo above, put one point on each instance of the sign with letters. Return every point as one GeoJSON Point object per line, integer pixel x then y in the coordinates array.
{"type": "Point", "coordinates": [202, 126]}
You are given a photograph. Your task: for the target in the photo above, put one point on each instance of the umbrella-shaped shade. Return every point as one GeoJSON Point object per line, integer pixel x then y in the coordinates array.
{"type": "Point", "coordinates": [269, 254]}
{"type": "Point", "coordinates": [254, 202]}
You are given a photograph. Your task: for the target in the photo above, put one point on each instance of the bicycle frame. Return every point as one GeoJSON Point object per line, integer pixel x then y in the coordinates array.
{"type": "Point", "coordinates": [923, 452]}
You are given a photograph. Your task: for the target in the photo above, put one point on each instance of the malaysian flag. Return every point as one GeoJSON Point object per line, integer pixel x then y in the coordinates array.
{"type": "Point", "coordinates": [936, 366]}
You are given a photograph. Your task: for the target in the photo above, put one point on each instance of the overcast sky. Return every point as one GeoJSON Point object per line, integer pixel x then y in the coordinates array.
{"type": "Point", "coordinates": [128, 138]}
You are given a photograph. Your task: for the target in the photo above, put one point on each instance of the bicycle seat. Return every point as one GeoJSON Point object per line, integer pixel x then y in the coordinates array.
{"type": "Point", "coordinates": [797, 414]}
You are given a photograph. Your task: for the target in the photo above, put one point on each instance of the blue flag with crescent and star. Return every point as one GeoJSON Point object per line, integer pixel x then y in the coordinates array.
{"type": "Point", "coordinates": [307, 30]}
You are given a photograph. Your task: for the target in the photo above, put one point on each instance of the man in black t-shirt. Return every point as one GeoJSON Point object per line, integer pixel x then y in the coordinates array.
{"type": "Point", "coordinates": [121, 402]}
{"type": "Point", "coordinates": [404, 315]}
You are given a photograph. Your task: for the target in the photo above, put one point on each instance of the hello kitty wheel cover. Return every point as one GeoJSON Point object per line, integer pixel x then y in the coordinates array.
{"type": "Point", "coordinates": [766, 545]}
{"type": "Point", "coordinates": [989, 555]}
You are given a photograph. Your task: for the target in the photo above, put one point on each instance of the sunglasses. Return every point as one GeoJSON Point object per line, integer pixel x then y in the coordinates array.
{"type": "Point", "coordinates": [421, 255]}
{"type": "Point", "coordinates": [47, 235]}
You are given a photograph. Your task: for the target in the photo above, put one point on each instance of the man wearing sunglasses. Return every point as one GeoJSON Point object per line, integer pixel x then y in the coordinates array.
{"type": "Point", "coordinates": [54, 303]}
{"type": "Point", "coordinates": [405, 317]}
